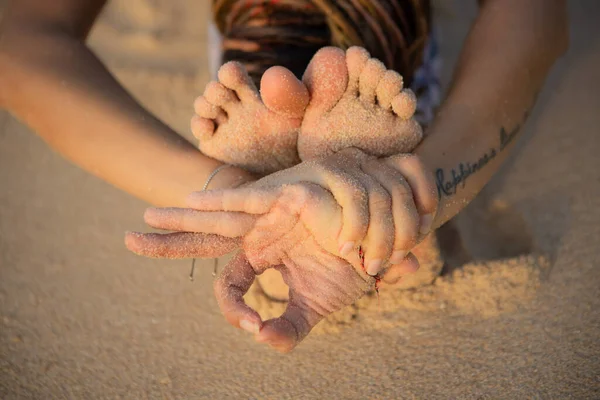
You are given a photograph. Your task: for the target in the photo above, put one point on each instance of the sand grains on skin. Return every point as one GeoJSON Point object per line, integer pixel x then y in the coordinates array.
{"type": "Point", "coordinates": [238, 126]}
{"type": "Point", "coordinates": [479, 289]}
{"type": "Point", "coordinates": [358, 103]}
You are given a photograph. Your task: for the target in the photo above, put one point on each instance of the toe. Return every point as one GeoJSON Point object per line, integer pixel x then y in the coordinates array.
{"type": "Point", "coordinates": [204, 109]}
{"type": "Point", "coordinates": [389, 87]}
{"type": "Point", "coordinates": [405, 104]}
{"type": "Point", "coordinates": [356, 59]}
{"type": "Point", "coordinates": [283, 93]}
{"type": "Point", "coordinates": [369, 79]}
{"type": "Point", "coordinates": [219, 95]}
{"type": "Point", "coordinates": [233, 75]}
{"type": "Point", "coordinates": [326, 78]}
{"type": "Point", "coordinates": [202, 128]}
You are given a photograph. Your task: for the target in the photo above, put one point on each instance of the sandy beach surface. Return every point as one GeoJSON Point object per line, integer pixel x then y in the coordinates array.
{"type": "Point", "coordinates": [82, 318]}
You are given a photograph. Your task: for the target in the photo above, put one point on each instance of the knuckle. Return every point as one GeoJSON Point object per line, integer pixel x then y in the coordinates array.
{"type": "Point", "coordinates": [358, 194]}
{"type": "Point", "coordinates": [401, 191]}
{"type": "Point", "coordinates": [380, 200]}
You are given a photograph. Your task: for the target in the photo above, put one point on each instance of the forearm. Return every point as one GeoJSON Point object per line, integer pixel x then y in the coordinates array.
{"type": "Point", "coordinates": [55, 85]}
{"type": "Point", "coordinates": [503, 65]}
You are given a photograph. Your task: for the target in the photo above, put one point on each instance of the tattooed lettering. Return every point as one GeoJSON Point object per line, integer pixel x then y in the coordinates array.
{"type": "Point", "coordinates": [449, 181]}
{"type": "Point", "coordinates": [448, 184]}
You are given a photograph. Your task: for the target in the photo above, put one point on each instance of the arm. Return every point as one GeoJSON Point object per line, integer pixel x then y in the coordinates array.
{"type": "Point", "coordinates": [503, 65]}
{"type": "Point", "coordinates": [51, 81]}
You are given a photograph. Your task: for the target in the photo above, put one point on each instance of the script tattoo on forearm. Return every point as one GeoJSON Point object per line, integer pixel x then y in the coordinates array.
{"type": "Point", "coordinates": [449, 181]}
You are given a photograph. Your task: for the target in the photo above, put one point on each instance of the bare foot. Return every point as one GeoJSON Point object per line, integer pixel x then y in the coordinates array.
{"type": "Point", "coordinates": [236, 126]}
{"type": "Point", "coordinates": [356, 102]}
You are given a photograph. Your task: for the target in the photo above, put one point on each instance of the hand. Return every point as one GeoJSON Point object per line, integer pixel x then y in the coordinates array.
{"type": "Point", "coordinates": [292, 228]}
{"type": "Point", "coordinates": [399, 186]}
{"type": "Point", "coordinates": [369, 191]}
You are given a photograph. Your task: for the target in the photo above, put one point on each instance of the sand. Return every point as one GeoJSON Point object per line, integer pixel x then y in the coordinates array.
{"type": "Point", "coordinates": [80, 317]}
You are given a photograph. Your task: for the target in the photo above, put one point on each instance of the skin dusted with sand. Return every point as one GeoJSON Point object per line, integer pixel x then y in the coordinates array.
{"type": "Point", "coordinates": [235, 126]}
{"type": "Point", "coordinates": [51, 91]}
{"type": "Point", "coordinates": [490, 93]}
{"type": "Point", "coordinates": [344, 100]}
{"type": "Point", "coordinates": [356, 102]}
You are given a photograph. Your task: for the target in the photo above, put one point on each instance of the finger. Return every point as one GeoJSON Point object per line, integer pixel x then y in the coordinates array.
{"type": "Point", "coordinates": [395, 272]}
{"type": "Point", "coordinates": [405, 215]}
{"type": "Point", "coordinates": [352, 197]}
{"type": "Point", "coordinates": [287, 331]}
{"type": "Point", "coordinates": [379, 241]}
{"type": "Point", "coordinates": [246, 200]}
{"type": "Point", "coordinates": [228, 224]}
{"type": "Point", "coordinates": [319, 212]}
{"type": "Point", "coordinates": [423, 187]}
{"type": "Point", "coordinates": [230, 287]}
{"type": "Point", "coordinates": [179, 245]}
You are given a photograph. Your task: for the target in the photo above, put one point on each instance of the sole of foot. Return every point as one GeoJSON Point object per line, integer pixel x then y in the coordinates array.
{"type": "Point", "coordinates": [236, 124]}
{"type": "Point", "coordinates": [356, 102]}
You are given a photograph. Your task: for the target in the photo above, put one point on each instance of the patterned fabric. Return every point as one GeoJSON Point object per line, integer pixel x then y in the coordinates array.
{"type": "Point", "coordinates": [426, 83]}
{"type": "Point", "coordinates": [263, 33]}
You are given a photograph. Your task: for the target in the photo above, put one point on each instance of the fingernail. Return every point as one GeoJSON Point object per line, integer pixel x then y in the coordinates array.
{"type": "Point", "coordinates": [398, 256]}
{"type": "Point", "coordinates": [373, 267]}
{"type": "Point", "coordinates": [346, 248]}
{"type": "Point", "coordinates": [249, 326]}
{"type": "Point", "coordinates": [426, 222]}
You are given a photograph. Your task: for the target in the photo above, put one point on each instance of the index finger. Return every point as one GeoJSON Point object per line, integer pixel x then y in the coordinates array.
{"type": "Point", "coordinates": [246, 199]}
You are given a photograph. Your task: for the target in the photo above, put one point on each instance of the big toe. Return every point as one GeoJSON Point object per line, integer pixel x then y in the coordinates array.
{"type": "Point", "coordinates": [326, 78]}
{"type": "Point", "coordinates": [283, 93]}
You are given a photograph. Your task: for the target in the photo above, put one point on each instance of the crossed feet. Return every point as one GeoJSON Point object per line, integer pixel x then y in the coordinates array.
{"type": "Point", "coordinates": [344, 100]}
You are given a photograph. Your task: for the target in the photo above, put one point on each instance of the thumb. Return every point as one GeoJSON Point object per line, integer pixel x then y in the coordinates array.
{"type": "Point", "coordinates": [287, 331]}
